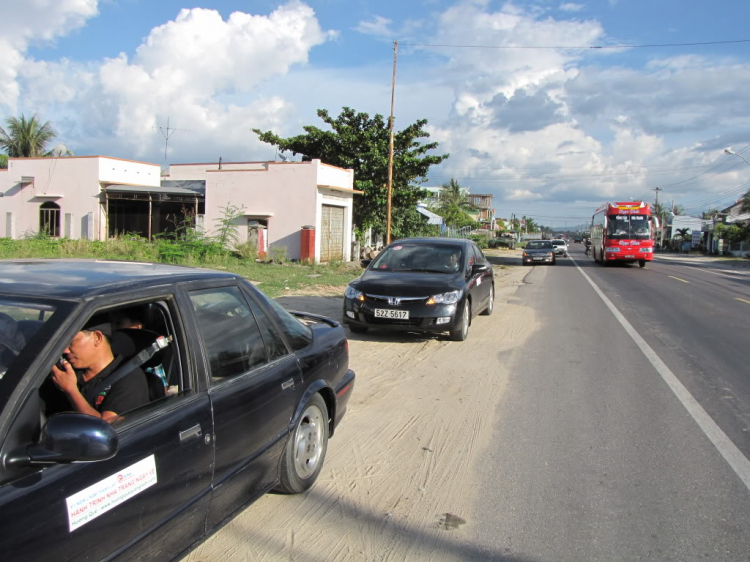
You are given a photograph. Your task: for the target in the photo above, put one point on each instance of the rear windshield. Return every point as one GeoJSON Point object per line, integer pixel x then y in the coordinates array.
{"type": "Point", "coordinates": [558, 243]}
{"type": "Point", "coordinates": [539, 245]}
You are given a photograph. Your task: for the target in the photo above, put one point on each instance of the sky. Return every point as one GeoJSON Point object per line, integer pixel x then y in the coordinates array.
{"type": "Point", "coordinates": [552, 107]}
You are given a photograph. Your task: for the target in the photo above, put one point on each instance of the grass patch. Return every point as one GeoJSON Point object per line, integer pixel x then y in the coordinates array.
{"type": "Point", "coordinates": [274, 279]}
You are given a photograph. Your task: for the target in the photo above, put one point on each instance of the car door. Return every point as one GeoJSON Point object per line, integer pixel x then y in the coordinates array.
{"type": "Point", "coordinates": [481, 281]}
{"type": "Point", "coordinates": [253, 389]}
{"type": "Point", "coordinates": [149, 501]}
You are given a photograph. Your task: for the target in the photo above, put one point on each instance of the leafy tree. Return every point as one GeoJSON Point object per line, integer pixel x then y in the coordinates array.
{"type": "Point", "coordinates": [25, 138]}
{"type": "Point", "coordinates": [683, 232]}
{"type": "Point", "coordinates": [453, 205]}
{"type": "Point", "coordinates": [3, 162]}
{"type": "Point", "coordinates": [359, 142]}
{"type": "Point", "coordinates": [710, 213]}
{"type": "Point", "coordinates": [745, 208]}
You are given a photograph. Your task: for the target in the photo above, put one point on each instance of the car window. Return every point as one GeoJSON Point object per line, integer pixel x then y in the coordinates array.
{"type": "Point", "coordinates": [298, 335]}
{"type": "Point", "coordinates": [19, 322]}
{"type": "Point", "coordinates": [233, 341]}
{"type": "Point", "coordinates": [274, 342]}
{"type": "Point", "coordinates": [478, 255]}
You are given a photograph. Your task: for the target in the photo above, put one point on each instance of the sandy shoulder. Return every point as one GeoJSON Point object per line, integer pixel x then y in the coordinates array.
{"type": "Point", "coordinates": [398, 482]}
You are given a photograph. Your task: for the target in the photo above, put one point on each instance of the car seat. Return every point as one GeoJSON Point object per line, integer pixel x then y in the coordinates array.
{"type": "Point", "coordinates": [131, 341]}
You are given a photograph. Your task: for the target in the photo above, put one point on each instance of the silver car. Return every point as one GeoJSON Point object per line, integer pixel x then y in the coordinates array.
{"type": "Point", "coordinates": [561, 247]}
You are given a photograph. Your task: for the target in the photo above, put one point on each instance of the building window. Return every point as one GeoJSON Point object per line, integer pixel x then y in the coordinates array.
{"type": "Point", "coordinates": [49, 219]}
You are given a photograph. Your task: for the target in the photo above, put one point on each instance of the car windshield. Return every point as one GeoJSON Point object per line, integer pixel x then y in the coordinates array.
{"type": "Point", "coordinates": [426, 258]}
{"type": "Point", "coordinates": [19, 322]}
{"type": "Point", "coordinates": [558, 243]}
{"type": "Point", "coordinates": [628, 227]}
{"type": "Point", "coordinates": [539, 246]}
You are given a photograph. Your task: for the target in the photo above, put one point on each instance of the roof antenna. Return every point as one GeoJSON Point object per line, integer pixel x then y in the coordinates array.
{"type": "Point", "coordinates": [168, 132]}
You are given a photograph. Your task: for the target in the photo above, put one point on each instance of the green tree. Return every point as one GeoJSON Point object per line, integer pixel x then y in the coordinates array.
{"type": "Point", "coordinates": [683, 232]}
{"type": "Point", "coordinates": [359, 142]}
{"type": "Point", "coordinates": [453, 205]}
{"type": "Point", "coordinates": [745, 208]}
{"type": "Point", "coordinates": [710, 213]}
{"type": "Point", "coordinates": [3, 162]}
{"type": "Point", "coordinates": [26, 138]}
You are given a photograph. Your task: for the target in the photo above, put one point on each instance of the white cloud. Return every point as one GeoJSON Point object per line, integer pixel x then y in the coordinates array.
{"type": "Point", "coordinates": [34, 21]}
{"type": "Point", "coordinates": [199, 70]}
{"type": "Point", "coordinates": [571, 7]}
{"type": "Point", "coordinates": [378, 26]}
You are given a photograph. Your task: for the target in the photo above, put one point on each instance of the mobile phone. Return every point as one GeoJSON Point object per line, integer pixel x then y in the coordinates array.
{"type": "Point", "coordinates": [61, 363]}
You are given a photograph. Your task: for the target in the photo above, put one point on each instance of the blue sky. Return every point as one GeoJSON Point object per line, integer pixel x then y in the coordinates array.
{"type": "Point", "coordinates": [549, 132]}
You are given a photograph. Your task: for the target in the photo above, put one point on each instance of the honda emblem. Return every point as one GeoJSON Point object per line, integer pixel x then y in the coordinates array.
{"type": "Point", "coordinates": [394, 301]}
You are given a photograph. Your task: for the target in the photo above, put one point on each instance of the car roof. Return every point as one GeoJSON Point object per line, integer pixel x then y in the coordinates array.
{"type": "Point", "coordinates": [78, 278]}
{"type": "Point", "coordinates": [434, 240]}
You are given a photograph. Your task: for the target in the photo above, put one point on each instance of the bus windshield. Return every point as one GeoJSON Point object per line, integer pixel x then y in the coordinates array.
{"type": "Point", "coordinates": [629, 227]}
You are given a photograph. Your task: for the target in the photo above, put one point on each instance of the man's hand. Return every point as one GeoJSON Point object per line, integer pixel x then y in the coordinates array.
{"type": "Point", "coordinates": [65, 380]}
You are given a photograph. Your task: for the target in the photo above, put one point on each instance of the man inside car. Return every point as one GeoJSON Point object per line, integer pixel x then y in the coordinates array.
{"type": "Point", "coordinates": [89, 363]}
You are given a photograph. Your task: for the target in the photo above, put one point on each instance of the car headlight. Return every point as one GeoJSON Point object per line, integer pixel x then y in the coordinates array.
{"type": "Point", "coordinates": [354, 294]}
{"type": "Point", "coordinates": [645, 250]}
{"type": "Point", "coordinates": [445, 298]}
{"type": "Point", "coordinates": [613, 249]}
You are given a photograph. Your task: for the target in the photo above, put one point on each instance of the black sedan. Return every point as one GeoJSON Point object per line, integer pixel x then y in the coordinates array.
{"type": "Point", "coordinates": [242, 398]}
{"type": "Point", "coordinates": [539, 251]}
{"type": "Point", "coordinates": [423, 285]}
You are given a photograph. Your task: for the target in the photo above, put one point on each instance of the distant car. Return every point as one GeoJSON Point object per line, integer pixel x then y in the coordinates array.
{"type": "Point", "coordinates": [422, 285]}
{"type": "Point", "coordinates": [539, 251]}
{"type": "Point", "coordinates": [249, 396]}
{"type": "Point", "coordinates": [561, 247]}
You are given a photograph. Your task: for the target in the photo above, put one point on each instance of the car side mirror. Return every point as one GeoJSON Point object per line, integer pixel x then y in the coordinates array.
{"type": "Point", "coordinates": [479, 268]}
{"type": "Point", "coordinates": [69, 437]}
{"type": "Point", "coordinates": [365, 263]}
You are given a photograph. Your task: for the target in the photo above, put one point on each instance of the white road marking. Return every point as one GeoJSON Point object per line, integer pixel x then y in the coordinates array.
{"type": "Point", "coordinates": [715, 273]}
{"type": "Point", "coordinates": [723, 444]}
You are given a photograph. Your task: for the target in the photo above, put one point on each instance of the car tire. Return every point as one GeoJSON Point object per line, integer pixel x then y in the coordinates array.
{"type": "Point", "coordinates": [462, 332]}
{"type": "Point", "coordinates": [491, 303]}
{"type": "Point", "coordinates": [305, 449]}
{"type": "Point", "coordinates": [554, 261]}
{"type": "Point", "coordinates": [357, 329]}
{"type": "Point", "coordinates": [642, 263]}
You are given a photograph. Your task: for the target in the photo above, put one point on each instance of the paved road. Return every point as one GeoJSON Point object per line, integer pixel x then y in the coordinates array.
{"type": "Point", "coordinates": [594, 457]}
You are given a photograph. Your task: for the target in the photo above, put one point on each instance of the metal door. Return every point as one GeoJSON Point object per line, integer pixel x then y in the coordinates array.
{"type": "Point", "coordinates": [332, 233]}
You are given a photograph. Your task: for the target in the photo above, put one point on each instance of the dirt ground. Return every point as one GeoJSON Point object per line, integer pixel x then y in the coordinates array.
{"type": "Point", "coordinates": [398, 482]}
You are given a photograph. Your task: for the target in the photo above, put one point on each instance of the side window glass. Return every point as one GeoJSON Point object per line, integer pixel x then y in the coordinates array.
{"type": "Point", "coordinates": [478, 256]}
{"type": "Point", "coordinates": [274, 342]}
{"type": "Point", "coordinates": [230, 333]}
{"type": "Point", "coordinates": [299, 335]}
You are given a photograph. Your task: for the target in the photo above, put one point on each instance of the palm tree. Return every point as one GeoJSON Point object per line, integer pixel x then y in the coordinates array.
{"type": "Point", "coordinates": [453, 205]}
{"type": "Point", "coordinates": [683, 232]}
{"type": "Point", "coordinates": [26, 138]}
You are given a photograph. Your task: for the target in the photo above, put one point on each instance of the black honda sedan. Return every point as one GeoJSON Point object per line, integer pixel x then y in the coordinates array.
{"type": "Point", "coordinates": [423, 285]}
{"type": "Point", "coordinates": [242, 398]}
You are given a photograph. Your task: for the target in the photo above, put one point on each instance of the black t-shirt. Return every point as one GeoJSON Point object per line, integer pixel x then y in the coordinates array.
{"type": "Point", "coordinates": [130, 392]}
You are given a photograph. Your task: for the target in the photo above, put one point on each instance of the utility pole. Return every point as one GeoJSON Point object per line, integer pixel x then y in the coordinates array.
{"type": "Point", "coordinates": [657, 189]}
{"type": "Point", "coordinates": [390, 146]}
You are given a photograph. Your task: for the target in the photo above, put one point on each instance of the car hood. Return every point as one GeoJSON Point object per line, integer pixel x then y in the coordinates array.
{"type": "Point", "coordinates": [404, 284]}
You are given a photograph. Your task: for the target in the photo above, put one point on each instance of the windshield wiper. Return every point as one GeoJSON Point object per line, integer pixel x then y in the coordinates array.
{"type": "Point", "coordinates": [424, 270]}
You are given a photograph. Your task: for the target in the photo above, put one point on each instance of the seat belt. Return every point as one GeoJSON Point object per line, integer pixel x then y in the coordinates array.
{"type": "Point", "coordinates": [136, 361]}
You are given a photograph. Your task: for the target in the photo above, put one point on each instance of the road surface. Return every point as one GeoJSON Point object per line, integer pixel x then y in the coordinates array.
{"type": "Point", "coordinates": [564, 428]}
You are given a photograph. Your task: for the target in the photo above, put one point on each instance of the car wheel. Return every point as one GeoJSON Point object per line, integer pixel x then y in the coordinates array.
{"type": "Point", "coordinates": [642, 263]}
{"type": "Point", "coordinates": [305, 448]}
{"type": "Point", "coordinates": [462, 332]}
{"type": "Point", "coordinates": [554, 261]}
{"type": "Point", "coordinates": [357, 329]}
{"type": "Point", "coordinates": [491, 303]}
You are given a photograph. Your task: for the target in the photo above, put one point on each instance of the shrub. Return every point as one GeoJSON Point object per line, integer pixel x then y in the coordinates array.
{"type": "Point", "coordinates": [278, 254]}
{"type": "Point", "coordinates": [246, 250]}
{"type": "Point", "coordinates": [480, 240]}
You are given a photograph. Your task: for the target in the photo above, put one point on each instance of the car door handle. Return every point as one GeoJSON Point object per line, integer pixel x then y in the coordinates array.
{"type": "Point", "coordinates": [287, 384]}
{"type": "Point", "coordinates": [190, 434]}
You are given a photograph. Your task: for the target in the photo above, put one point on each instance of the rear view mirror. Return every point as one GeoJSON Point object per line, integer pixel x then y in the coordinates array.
{"type": "Point", "coordinates": [479, 268]}
{"type": "Point", "coordinates": [70, 437]}
{"type": "Point", "coordinates": [365, 263]}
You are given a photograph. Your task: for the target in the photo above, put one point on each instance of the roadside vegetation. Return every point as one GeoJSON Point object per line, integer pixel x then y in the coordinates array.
{"type": "Point", "coordinates": [274, 277]}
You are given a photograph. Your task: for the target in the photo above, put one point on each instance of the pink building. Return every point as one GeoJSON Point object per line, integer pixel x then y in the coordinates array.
{"type": "Point", "coordinates": [98, 197]}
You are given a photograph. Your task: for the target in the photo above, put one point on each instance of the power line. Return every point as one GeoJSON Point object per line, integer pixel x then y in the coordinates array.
{"type": "Point", "coordinates": [577, 48]}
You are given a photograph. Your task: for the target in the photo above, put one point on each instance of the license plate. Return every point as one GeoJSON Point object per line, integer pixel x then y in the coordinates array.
{"type": "Point", "coordinates": [387, 313]}
{"type": "Point", "coordinates": [538, 259]}
{"type": "Point", "coordinates": [629, 256]}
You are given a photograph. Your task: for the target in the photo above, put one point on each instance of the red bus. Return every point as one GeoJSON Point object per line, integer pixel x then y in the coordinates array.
{"type": "Point", "coordinates": [623, 232]}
